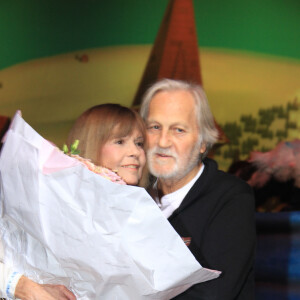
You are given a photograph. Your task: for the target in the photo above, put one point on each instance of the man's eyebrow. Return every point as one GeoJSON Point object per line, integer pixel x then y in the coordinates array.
{"type": "Point", "coordinates": [152, 121]}
{"type": "Point", "coordinates": [179, 124]}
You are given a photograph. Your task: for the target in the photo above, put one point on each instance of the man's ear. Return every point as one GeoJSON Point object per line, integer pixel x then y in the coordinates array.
{"type": "Point", "coordinates": [202, 148]}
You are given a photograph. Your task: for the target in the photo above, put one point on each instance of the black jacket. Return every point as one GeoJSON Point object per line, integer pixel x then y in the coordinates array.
{"type": "Point", "coordinates": [218, 215]}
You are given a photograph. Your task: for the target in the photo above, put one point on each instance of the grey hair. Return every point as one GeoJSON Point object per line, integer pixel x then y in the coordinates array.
{"type": "Point", "coordinates": [208, 133]}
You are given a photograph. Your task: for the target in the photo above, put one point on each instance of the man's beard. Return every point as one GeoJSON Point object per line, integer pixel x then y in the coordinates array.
{"type": "Point", "coordinates": [182, 165]}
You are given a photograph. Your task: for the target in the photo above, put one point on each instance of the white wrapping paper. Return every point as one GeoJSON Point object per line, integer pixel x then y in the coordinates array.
{"type": "Point", "coordinates": [61, 223]}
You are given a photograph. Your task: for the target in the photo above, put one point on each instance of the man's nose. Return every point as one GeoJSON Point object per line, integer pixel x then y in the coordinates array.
{"type": "Point", "coordinates": [164, 139]}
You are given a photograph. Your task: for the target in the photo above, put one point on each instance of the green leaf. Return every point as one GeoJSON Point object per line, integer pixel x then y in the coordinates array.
{"type": "Point", "coordinates": [74, 145]}
{"type": "Point", "coordinates": [73, 148]}
{"type": "Point", "coordinates": [65, 149]}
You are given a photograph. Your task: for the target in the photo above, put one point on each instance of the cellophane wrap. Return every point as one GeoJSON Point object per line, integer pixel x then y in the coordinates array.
{"type": "Point", "coordinates": [63, 224]}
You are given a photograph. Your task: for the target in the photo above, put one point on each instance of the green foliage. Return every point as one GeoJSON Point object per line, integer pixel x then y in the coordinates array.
{"type": "Point", "coordinates": [291, 106]}
{"type": "Point", "coordinates": [267, 134]}
{"type": "Point", "coordinates": [281, 134]}
{"type": "Point", "coordinates": [265, 149]}
{"type": "Point", "coordinates": [218, 151]}
{"type": "Point", "coordinates": [233, 131]}
{"type": "Point", "coordinates": [73, 148]}
{"type": "Point", "coordinates": [264, 132]}
{"type": "Point", "coordinates": [280, 112]}
{"type": "Point", "coordinates": [266, 116]}
{"type": "Point", "coordinates": [277, 109]}
{"type": "Point", "coordinates": [65, 149]}
{"type": "Point", "coordinates": [259, 129]}
{"type": "Point", "coordinates": [248, 145]}
{"type": "Point", "coordinates": [249, 123]}
{"type": "Point", "coordinates": [290, 125]}
{"type": "Point", "coordinates": [231, 152]}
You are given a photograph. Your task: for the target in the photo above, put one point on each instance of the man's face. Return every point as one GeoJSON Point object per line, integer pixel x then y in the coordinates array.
{"type": "Point", "coordinates": [173, 136]}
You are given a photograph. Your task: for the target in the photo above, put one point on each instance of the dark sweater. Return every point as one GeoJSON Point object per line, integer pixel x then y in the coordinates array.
{"type": "Point", "coordinates": [218, 215]}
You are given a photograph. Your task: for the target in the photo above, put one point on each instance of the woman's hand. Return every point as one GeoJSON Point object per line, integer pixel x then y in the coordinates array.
{"type": "Point", "coordinates": [27, 289]}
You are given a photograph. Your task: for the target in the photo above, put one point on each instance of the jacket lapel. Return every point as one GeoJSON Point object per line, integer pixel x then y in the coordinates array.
{"type": "Point", "coordinates": [198, 189]}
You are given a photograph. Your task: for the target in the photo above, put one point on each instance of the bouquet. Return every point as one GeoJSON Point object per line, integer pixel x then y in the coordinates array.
{"type": "Point", "coordinates": [102, 171]}
{"type": "Point", "coordinates": [62, 223]}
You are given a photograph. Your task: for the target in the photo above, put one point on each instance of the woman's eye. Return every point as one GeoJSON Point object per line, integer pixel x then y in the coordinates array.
{"type": "Point", "coordinates": [140, 144]}
{"type": "Point", "coordinates": [119, 142]}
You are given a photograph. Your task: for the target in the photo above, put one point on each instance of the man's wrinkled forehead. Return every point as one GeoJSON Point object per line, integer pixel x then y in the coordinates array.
{"type": "Point", "coordinates": [180, 94]}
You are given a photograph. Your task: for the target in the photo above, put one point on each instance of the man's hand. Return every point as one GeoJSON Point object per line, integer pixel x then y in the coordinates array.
{"type": "Point", "coordinates": [27, 289]}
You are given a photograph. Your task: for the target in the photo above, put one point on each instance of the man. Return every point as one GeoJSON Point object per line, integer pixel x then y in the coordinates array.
{"type": "Point", "coordinates": [211, 210]}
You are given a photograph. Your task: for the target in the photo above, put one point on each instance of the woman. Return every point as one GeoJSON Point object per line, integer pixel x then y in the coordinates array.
{"type": "Point", "coordinates": [15, 285]}
{"type": "Point", "coordinates": [112, 136]}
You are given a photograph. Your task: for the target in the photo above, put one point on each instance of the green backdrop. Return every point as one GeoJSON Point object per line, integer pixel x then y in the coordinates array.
{"type": "Point", "coordinates": [249, 54]}
{"type": "Point", "coordinates": [39, 28]}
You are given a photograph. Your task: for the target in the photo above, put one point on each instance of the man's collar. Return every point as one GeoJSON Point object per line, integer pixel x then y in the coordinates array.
{"type": "Point", "coordinates": [189, 184]}
{"type": "Point", "coordinates": [170, 202]}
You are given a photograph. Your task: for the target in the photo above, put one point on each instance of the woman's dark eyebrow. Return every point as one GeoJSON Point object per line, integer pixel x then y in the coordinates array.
{"type": "Point", "coordinates": [139, 138]}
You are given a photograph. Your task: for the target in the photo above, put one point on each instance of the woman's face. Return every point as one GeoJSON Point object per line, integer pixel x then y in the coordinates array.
{"type": "Point", "coordinates": [125, 155]}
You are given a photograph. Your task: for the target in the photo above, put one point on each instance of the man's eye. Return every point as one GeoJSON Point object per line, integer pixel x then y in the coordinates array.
{"type": "Point", "coordinates": [179, 130]}
{"type": "Point", "coordinates": [155, 127]}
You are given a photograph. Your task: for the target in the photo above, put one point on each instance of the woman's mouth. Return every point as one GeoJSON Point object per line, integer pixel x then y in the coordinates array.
{"type": "Point", "coordinates": [135, 167]}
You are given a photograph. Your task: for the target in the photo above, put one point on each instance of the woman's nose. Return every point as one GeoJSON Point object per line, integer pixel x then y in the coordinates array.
{"type": "Point", "coordinates": [134, 150]}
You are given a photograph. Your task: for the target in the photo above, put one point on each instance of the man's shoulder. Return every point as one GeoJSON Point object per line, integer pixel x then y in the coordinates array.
{"type": "Point", "coordinates": [216, 177]}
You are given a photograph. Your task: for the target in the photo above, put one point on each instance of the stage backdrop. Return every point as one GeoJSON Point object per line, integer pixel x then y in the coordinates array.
{"type": "Point", "coordinates": [58, 58]}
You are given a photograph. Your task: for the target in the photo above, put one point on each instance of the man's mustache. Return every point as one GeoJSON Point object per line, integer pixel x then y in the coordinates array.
{"type": "Point", "coordinates": [163, 151]}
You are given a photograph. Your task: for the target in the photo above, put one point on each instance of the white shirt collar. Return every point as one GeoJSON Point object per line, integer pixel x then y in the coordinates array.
{"type": "Point", "coordinates": [170, 202]}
